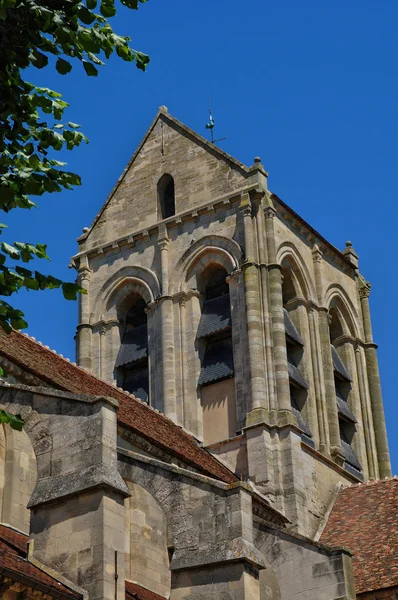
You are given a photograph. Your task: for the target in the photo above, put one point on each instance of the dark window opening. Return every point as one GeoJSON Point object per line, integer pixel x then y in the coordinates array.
{"type": "Point", "coordinates": [132, 359]}
{"type": "Point", "coordinates": [214, 342]}
{"type": "Point", "coordinates": [166, 197]}
{"type": "Point", "coordinates": [298, 385]}
{"type": "Point", "coordinates": [214, 331]}
{"type": "Point", "coordinates": [347, 431]}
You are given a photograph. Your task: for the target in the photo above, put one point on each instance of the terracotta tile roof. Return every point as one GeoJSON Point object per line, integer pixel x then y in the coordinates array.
{"type": "Point", "coordinates": [13, 564]}
{"type": "Point", "coordinates": [134, 590]}
{"type": "Point", "coordinates": [55, 370]}
{"type": "Point", "coordinates": [13, 538]}
{"type": "Point", "coordinates": [364, 520]}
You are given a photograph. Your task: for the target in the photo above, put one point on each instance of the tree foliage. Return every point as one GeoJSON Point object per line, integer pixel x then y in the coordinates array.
{"type": "Point", "coordinates": [34, 33]}
{"type": "Point", "coordinates": [15, 421]}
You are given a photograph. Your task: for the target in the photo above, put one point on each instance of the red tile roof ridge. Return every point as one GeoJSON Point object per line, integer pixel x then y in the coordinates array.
{"type": "Point", "coordinates": [372, 481]}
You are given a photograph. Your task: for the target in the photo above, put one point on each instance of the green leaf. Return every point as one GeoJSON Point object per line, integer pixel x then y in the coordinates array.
{"type": "Point", "coordinates": [107, 10]}
{"type": "Point", "coordinates": [90, 69]}
{"type": "Point", "coordinates": [86, 16]}
{"type": "Point", "coordinates": [38, 59]}
{"type": "Point", "coordinates": [10, 250]}
{"type": "Point", "coordinates": [15, 421]}
{"type": "Point", "coordinates": [91, 4]}
{"type": "Point", "coordinates": [63, 66]}
{"type": "Point", "coordinates": [142, 60]}
{"type": "Point", "coordinates": [73, 125]}
{"type": "Point", "coordinates": [70, 290]}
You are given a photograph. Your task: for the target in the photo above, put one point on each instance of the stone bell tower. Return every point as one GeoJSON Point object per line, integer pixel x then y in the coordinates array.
{"type": "Point", "coordinates": [213, 301]}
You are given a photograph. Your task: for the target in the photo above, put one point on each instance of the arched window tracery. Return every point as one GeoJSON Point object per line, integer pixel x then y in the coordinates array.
{"type": "Point", "coordinates": [132, 359]}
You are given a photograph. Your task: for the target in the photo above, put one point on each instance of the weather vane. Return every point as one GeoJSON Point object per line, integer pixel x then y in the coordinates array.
{"type": "Point", "coordinates": [210, 126]}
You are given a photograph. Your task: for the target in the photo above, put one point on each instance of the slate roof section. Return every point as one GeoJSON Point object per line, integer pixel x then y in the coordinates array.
{"type": "Point", "coordinates": [216, 316]}
{"type": "Point", "coordinates": [338, 365]}
{"type": "Point", "coordinates": [291, 330]}
{"type": "Point", "coordinates": [133, 590]}
{"type": "Point", "coordinates": [364, 520]}
{"type": "Point", "coordinates": [134, 346]}
{"type": "Point", "coordinates": [55, 370]}
{"type": "Point", "coordinates": [13, 564]}
{"type": "Point", "coordinates": [218, 362]}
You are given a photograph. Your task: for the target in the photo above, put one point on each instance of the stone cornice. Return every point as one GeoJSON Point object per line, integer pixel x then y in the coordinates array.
{"type": "Point", "coordinates": [192, 214]}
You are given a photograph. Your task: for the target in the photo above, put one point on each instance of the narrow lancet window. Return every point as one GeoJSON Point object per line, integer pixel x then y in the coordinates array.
{"type": "Point", "coordinates": [132, 359]}
{"type": "Point", "coordinates": [166, 197]}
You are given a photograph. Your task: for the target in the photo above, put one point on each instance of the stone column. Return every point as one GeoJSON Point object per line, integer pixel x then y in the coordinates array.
{"type": "Point", "coordinates": [327, 362]}
{"type": "Point", "coordinates": [102, 352]}
{"type": "Point", "coordinates": [263, 261]}
{"type": "Point", "coordinates": [374, 386]}
{"type": "Point", "coordinates": [167, 331]}
{"type": "Point", "coordinates": [84, 329]}
{"type": "Point", "coordinates": [253, 312]}
{"type": "Point", "coordinates": [167, 357]}
{"type": "Point", "coordinates": [192, 409]}
{"type": "Point", "coordinates": [364, 412]}
{"type": "Point", "coordinates": [183, 354]}
{"type": "Point", "coordinates": [318, 382]}
{"type": "Point", "coordinates": [276, 311]}
{"type": "Point", "coordinates": [112, 348]}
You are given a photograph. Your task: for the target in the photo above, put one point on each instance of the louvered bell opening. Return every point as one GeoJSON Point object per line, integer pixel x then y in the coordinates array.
{"type": "Point", "coordinates": [216, 316]}
{"type": "Point", "coordinates": [134, 346]}
{"type": "Point", "coordinates": [218, 362]}
{"type": "Point", "coordinates": [136, 381]}
{"type": "Point", "coordinates": [294, 374]}
{"type": "Point", "coordinates": [291, 330]}
{"type": "Point", "coordinates": [343, 408]}
{"type": "Point", "coordinates": [307, 434]}
{"type": "Point", "coordinates": [350, 457]}
{"type": "Point", "coordinates": [338, 365]}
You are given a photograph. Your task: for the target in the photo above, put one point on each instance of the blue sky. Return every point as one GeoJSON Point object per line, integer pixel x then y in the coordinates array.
{"type": "Point", "coordinates": [311, 87]}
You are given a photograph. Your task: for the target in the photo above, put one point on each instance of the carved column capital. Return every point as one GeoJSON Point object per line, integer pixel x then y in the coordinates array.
{"type": "Point", "coordinates": [84, 274]}
{"type": "Point", "coordinates": [316, 253]}
{"type": "Point", "coordinates": [164, 244]}
{"type": "Point", "coordinates": [364, 290]}
{"type": "Point", "coordinates": [269, 212]}
{"type": "Point", "coordinates": [234, 277]}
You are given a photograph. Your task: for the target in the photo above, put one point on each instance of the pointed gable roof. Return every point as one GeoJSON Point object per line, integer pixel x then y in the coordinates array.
{"type": "Point", "coordinates": [167, 118]}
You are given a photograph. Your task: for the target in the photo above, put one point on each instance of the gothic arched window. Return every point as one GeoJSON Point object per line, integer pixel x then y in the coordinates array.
{"type": "Point", "coordinates": [132, 359]}
{"type": "Point", "coordinates": [216, 380]}
{"type": "Point", "coordinates": [166, 198]}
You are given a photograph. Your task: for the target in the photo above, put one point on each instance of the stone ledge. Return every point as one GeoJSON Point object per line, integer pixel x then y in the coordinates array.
{"type": "Point", "coordinates": [54, 488]}
{"type": "Point", "coordinates": [45, 391]}
{"type": "Point", "coordinates": [234, 551]}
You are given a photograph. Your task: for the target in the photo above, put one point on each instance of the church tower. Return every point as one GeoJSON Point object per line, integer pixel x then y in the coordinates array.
{"type": "Point", "coordinates": [213, 301]}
